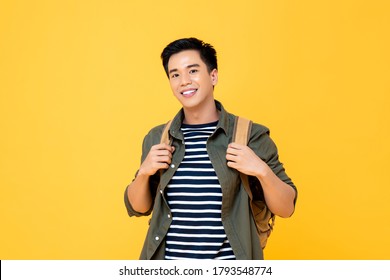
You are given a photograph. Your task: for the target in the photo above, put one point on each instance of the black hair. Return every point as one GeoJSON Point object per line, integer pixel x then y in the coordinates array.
{"type": "Point", "coordinates": [206, 51]}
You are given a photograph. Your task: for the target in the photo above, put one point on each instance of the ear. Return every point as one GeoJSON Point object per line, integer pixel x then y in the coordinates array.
{"type": "Point", "coordinates": [214, 76]}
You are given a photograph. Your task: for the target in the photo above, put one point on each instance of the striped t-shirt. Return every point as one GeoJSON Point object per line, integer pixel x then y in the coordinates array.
{"type": "Point", "coordinates": [195, 198]}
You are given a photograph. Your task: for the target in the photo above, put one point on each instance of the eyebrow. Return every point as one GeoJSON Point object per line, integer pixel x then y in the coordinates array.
{"type": "Point", "coordinates": [188, 66]}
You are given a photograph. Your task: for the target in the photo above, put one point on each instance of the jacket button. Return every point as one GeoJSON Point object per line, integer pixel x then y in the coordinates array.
{"type": "Point", "coordinates": [157, 238]}
{"type": "Point", "coordinates": [169, 216]}
{"type": "Point", "coordinates": [172, 165]}
{"type": "Point", "coordinates": [161, 191]}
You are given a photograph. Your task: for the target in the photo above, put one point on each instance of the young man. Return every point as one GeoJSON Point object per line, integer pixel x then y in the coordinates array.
{"type": "Point", "coordinates": [193, 187]}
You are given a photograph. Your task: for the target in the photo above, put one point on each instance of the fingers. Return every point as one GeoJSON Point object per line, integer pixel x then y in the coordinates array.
{"type": "Point", "coordinates": [162, 153]}
{"type": "Point", "coordinates": [162, 147]}
{"type": "Point", "coordinates": [159, 157]}
{"type": "Point", "coordinates": [234, 150]}
{"type": "Point", "coordinates": [236, 154]}
{"type": "Point", "coordinates": [233, 161]}
{"type": "Point", "coordinates": [231, 158]}
{"type": "Point", "coordinates": [232, 155]}
{"type": "Point", "coordinates": [236, 146]}
{"type": "Point", "coordinates": [231, 164]}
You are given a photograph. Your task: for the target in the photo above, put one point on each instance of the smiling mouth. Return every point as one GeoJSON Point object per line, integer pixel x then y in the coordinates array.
{"type": "Point", "coordinates": [189, 93]}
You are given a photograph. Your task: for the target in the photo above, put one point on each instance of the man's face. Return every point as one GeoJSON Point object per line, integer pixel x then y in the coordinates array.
{"type": "Point", "coordinates": [190, 80]}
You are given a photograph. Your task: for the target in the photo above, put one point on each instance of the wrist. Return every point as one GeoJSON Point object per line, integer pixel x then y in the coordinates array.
{"type": "Point", "coordinates": [263, 171]}
{"type": "Point", "coordinates": [142, 174]}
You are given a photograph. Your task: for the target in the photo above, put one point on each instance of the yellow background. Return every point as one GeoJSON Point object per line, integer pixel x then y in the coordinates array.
{"type": "Point", "coordinates": [81, 83]}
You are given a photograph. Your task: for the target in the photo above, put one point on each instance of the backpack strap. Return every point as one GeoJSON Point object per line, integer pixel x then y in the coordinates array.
{"type": "Point", "coordinates": [241, 134]}
{"type": "Point", "coordinates": [165, 134]}
{"type": "Point", "coordinates": [165, 139]}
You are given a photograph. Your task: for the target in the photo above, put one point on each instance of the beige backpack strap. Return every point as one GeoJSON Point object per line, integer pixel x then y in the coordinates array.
{"type": "Point", "coordinates": [165, 139]}
{"type": "Point", "coordinates": [165, 134]}
{"type": "Point", "coordinates": [242, 127]}
{"type": "Point", "coordinates": [241, 134]}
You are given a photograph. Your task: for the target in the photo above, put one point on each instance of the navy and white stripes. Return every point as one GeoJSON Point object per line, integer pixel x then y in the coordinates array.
{"type": "Point", "coordinates": [195, 198]}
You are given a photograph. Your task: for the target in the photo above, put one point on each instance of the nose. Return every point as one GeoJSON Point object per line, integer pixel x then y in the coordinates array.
{"type": "Point", "coordinates": [185, 80]}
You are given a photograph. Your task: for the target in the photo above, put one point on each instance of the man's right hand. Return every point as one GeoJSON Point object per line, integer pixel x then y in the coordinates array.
{"type": "Point", "coordinates": [159, 157]}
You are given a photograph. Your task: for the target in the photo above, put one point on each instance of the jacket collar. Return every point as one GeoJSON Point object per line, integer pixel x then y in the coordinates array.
{"type": "Point", "coordinates": [178, 120]}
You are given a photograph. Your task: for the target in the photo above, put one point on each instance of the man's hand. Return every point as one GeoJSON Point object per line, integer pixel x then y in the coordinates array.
{"type": "Point", "coordinates": [159, 157]}
{"type": "Point", "coordinates": [278, 195]}
{"type": "Point", "coordinates": [242, 158]}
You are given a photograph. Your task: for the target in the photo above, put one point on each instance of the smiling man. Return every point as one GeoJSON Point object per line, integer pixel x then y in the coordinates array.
{"type": "Point", "coordinates": [192, 187]}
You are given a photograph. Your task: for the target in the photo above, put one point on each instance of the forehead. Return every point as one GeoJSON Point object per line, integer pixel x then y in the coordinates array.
{"type": "Point", "coordinates": [185, 58]}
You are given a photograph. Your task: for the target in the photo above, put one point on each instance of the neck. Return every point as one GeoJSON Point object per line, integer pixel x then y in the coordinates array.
{"type": "Point", "coordinates": [206, 115]}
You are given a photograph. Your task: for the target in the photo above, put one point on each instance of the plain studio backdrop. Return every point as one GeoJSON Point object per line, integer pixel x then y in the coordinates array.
{"type": "Point", "coordinates": [81, 83]}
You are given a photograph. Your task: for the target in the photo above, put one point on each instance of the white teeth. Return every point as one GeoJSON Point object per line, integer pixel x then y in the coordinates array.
{"type": "Point", "coordinates": [188, 92]}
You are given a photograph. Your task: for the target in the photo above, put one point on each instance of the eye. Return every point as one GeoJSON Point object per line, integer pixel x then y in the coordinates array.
{"type": "Point", "coordinates": [193, 71]}
{"type": "Point", "coordinates": [174, 75]}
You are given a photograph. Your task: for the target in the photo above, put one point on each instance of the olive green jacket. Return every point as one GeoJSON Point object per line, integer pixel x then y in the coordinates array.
{"type": "Point", "coordinates": [236, 216]}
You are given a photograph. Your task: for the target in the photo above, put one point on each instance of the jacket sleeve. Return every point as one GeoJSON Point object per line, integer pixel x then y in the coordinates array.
{"type": "Point", "coordinates": [152, 138]}
{"type": "Point", "coordinates": [262, 144]}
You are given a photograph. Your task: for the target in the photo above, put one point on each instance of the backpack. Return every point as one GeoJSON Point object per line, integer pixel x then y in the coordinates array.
{"type": "Point", "coordinates": [263, 217]}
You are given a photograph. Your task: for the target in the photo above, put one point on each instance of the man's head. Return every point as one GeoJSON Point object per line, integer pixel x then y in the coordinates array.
{"type": "Point", "coordinates": [206, 51]}
{"type": "Point", "coordinates": [191, 67]}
